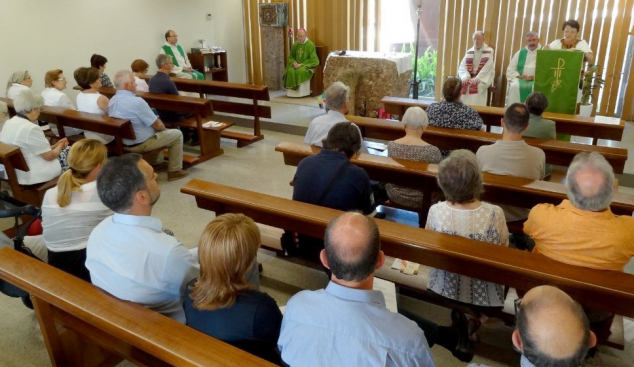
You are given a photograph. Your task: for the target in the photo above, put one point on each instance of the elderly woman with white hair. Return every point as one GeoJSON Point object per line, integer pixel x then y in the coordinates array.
{"type": "Point", "coordinates": [19, 82]}
{"type": "Point", "coordinates": [413, 148]}
{"type": "Point", "coordinates": [45, 161]}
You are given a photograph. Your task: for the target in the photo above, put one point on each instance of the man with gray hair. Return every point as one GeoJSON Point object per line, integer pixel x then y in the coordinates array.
{"type": "Point", "coordinates": [128, 254]}
{"type": "Point", "coordinates": [162, 84]}
{"type": "Point", "coordinates": [477, 71]}
{"type": "Point", "coordinates": [521, 70]}
{"type": "Point", "coordinates": [4, 113]}
{"type": "Point", "coordinates": [551, 330]}
{"type": "Point", "coordinates": [582, 230]}
{"type": "Point", "coordinates": [149, 130]}
{"type": "Point", "coordinates": [337, 101]}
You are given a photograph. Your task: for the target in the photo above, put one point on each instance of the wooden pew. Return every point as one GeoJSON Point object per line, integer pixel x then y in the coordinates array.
{"type": "Point", "coordinates": [602, 290]}
{"type": "Point", "coordinates": [120, 129]}
{"type": "Point", "coordinates": [199, 107]}
{"type": "Point", "coordinates": [251, 92]}
{"type": "Point", "coordinates": [566, 124]}
{"type": "Point", "coordinates": [84, 326]}
{"type": "Point", "coordinates": [510, 190]}
{"type": "Point", "coordinates": [557, 152]}
{"type": "Point", "coordinates": [12, 159]}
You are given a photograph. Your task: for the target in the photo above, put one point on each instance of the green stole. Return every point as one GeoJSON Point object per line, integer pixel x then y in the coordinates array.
{"type": "Point", "coordinates": [168, 51]}
{"type": "Point", "coordinates": [526, 88]}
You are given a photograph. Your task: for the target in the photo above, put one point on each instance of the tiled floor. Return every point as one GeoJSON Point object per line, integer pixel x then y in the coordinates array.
{"type": "Point", "coordinates": [259, 168]}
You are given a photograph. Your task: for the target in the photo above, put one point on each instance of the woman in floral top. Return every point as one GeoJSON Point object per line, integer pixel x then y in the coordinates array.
{"type": "Point", "coordinates": [452, 113]}
{"type": "Point", "coordinates": [463, 214]}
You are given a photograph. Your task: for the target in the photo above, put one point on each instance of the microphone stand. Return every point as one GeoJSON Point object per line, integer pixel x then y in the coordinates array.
{"type": "Point", "coordinates": [415, 82]}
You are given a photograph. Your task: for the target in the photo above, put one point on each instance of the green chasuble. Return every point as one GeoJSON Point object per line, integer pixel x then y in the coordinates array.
{"type": "Point", "coordinates": [168, 51]}
{"type": "Point", "coordinates": [526, 87]}
{"type": "Point", "coordinates": [304, 54]}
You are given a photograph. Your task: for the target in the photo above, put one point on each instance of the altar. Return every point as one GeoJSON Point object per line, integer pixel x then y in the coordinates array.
{"type": "Point", "coordinates": [370, 76]}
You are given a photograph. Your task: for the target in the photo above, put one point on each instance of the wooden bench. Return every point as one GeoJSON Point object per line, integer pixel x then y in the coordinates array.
{"type": "Point", "coordinates": [202, 112]}
{"type": "Point", "coordinates": [422, 176]}
{"type": "Point", "coordinates": [84, 326]}
{"type": "Point", "coordinates": [251, 92]}
{"type": "Point", "coordinates": [317, 81]}
{"type": "Point", "coordinates": [12, 159]}
{"type": "Point", "coordinates": [557, 152]}
{"type": "Point", "coordinates": [601, 290]}
{"type": "Point", "coordinates": [566, 124]}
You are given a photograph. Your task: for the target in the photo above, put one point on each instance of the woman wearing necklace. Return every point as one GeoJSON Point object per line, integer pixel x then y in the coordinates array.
{"type": "Point", "coordinates": [571, 42]}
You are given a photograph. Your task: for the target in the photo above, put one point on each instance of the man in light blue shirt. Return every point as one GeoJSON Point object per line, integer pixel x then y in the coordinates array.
{"type": "Point", "coordinates": [149, 130]}
{"type": "Point", "coordinates": [552, 329]}
{"type": "Point", "coordinates": [128, 255]}
{"type": "Point", "coordinates": [347, 324]}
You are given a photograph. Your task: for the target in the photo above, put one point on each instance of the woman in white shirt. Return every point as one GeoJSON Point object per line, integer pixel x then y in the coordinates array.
{"type": "Point", "coordinates": [72, 209]}
{"type": "Point", "coordinates": [89, 100]}
{"type": "Point", "coordinates": [19, 82]}
{"type": "Point", "coordinates": [139, 70]}
{"type": "Point", "coordinates": [4, 113]}
{"type": "Point", "coordinates": [571, 42]}
{"type": "Point", "coordinates": [55, 83]}
{"type": "Point", "coordinates": [45, 161]}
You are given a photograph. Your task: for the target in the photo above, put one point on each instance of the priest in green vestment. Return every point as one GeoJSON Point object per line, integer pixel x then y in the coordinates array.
{"type": "Point", "coordinates": [521, 70]}
{"type": "Point", "coordinates": [301, 61]}
{"type": "Point", "coordinates": [182, 67]}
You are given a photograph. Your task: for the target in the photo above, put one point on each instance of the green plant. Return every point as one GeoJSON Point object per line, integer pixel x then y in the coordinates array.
{"type": "Point", "coordinates": [590, 85]}
{"type": "Point", "coordinates": [426, 72]}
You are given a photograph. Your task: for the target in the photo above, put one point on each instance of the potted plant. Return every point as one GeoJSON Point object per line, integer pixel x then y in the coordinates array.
{"type": "Point", "coordinates": [591, 83]}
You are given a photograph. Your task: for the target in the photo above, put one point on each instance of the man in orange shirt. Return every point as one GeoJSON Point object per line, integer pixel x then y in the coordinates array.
{"type": "Point", "coordinates": [583, 231]}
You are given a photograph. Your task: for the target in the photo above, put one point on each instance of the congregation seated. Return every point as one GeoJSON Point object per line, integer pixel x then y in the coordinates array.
{"type": "Point", "coordinates": [337, 102]}
{"type": "Point", "coordinates": [511, 156]}
{"type": "Point", "coordinates": [128, 254]}
{"type": "Point", "coordinates": [18, 82]}
{"type": "Point", "coordinates": [4, 113]}
{"type": "Point", "coordinates": [90, 100]}
{"type": "Point", "coordinates": [222, 302]}
{"type": "Point", "coordinates": [139, 70]}
{"type": "Point", "coordinates": [162, 84]}
{"type": "Point", "coordinates": [72, 209]}
{"type": "Point", "coordinates": [99, 62]}
{"type": "Point", "coordinates": [411, 147]}
{"type": "Point", "coordinates": [45, 161]}
{"type": "Point", "coordinates": [302, 61]}
{"type": "Point", "coordinates": [452, 113]}
{"type": "Point", "coordinates": [582, 230]}
{"type": "Point", "coordinates": [55, 83]}
{"type": "Point", "coordinates": [551, 330]}
{"type": "Point", "coordinates": [464, 215]}
{"type": "Point", "coordinates": [149, 130]}
{"type": "Point", "coordinates": [347, 323]}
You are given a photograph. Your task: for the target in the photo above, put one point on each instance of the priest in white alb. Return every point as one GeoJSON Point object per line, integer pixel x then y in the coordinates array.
{"type": "Point", "coordinates": [477, 71]}
{"type": "Point", "coordinates": [521, 71]}
{"type": "Point", "coordinates": [182, 67]}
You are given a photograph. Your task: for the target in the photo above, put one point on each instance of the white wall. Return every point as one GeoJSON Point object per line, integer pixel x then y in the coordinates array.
{"type": "Point", "coordinates": [40, 35]}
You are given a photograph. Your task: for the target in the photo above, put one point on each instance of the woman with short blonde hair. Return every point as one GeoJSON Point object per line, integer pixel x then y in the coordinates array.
{"type": "Point", "coordinates": [55, 82]}
{"type": "Point", "coordinates": [221, 302]}
{"type": "Point", "coordinates": [72, 209]}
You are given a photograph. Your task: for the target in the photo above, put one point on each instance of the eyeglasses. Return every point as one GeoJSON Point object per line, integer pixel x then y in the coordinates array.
{"type": "Point", "coordinates": [61, 79]}
{"type": "Point", "coordinates": [517, 304]}
{"type": "Point", "coordinates": [174, 35]}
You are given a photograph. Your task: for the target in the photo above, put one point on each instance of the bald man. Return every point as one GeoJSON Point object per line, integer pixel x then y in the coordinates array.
{"type": "Point", "coordinates": [348, 324]}
{"type": "Point", "coordinates": [552, 329]}
{"type": "Point", "coordinates": [477, 71]}
{"type": "Point", "coordinates": [301, 61]}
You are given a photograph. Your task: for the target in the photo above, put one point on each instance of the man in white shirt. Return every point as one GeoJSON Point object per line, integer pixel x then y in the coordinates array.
{"type": "Point", "coordinates": [128, 254]}
{"type": "Point", "coordinates": [337, 100]}
{"type": "Point", "coordinates": [477, 71]}
{"type": "Point", "coordinates": [521, 70]}
{"type": "Point", "coordinates": [182, 67]}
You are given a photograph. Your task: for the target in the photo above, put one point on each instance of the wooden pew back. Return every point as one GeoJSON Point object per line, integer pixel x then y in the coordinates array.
{"type": "Point", "coordinates": [566, 124]}
{"type": "Point", "coordinates": [422, 176]}
{"type": "Point", "coordinates": [608, 291]}
{"type": "Point", "coordinates": [84, 326]}
{"type": "Point", "coordinates": [557, 152]}
{"type": "Point", "coordinates": [12, 159]}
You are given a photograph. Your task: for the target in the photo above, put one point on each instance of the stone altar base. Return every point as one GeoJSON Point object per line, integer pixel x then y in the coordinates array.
{"type": "Point", "coordinates": [369, 80]}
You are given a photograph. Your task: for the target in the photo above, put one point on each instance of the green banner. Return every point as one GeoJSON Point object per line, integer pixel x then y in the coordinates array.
{"type": "Point", "coordinates": [557, 75]}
